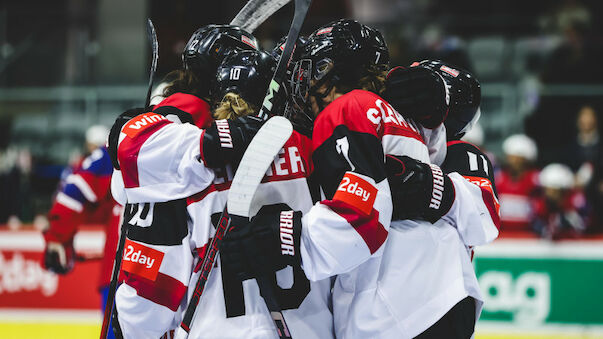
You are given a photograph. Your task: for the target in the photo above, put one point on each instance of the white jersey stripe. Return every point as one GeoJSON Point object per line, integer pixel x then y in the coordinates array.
{"type": "Point", "coordinates": [69, 202]}
{"type": "Point", "coordinates": [83, 186]}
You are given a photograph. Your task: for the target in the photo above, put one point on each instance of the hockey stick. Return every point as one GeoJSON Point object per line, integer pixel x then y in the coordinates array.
{"type": "Point", "coordinates": [301, 9]}
{"type": "Point", "coordinates": [114, 277]}
{"type": "Point", "coordinates": [256, 12]}
{"type": "Point", "coordinates": [152, 35]}
{"type": "Point", "coordinates": [254, 164]}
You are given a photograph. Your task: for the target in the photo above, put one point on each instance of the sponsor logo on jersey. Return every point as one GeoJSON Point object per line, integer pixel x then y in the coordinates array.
{"type": "Point", "coordinates": [142, 122]}
{"type": "Point", "coordinates": [286, 233]}
{"type": "Point", "coordinates": [247, 40]}
{"type": "Point", "coordinates": [438, 187]}
{"type": "Point", "coordinates": [141, 260]}
{"type": "Point", "coordinates": [224, 133]}
{"type": "Point", "coordinates": [356, 191]}
{"type": "Point", "coordinates": [324, 30]}
{"type": "Point", "coordinates": [450, 71]}
{"type": "Point", "coordinates": [485, 184]}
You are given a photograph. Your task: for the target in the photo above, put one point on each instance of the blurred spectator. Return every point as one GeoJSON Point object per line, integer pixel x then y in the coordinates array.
{"type": "Point", "coordinates": [562, 211]}
{"type": "Point", "coordinates": [15, 170]}
{"type": "Point", "coordinates": [435, 45]}
{"type": "Point", "coordinates": [84, 197]}
{"type": "Point", "coordinates": [583, 151]}
{"type": "Point", "coordinates": [517, 183]}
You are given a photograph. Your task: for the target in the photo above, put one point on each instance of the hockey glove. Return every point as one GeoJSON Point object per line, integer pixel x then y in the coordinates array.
{"type": "Point", "coordinates": [419, 190]}
{"type": "Point", "coordinates": [268, 244]}
{"type": "Point", "coordinates": [418, 93]}
{"type": "Point", "coordinates": [120, 121]}
{"type": "Point", "coordinates": [59, 258]}
{"type": "Point", "coordinates": [225, 141]}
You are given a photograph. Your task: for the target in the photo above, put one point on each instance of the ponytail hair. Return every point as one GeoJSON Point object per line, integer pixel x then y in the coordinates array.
{"type": "Point", "coordinates": [233, 106]}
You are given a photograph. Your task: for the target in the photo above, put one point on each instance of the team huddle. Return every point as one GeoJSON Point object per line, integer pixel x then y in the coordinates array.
{"type": "Point", "coordinates": [368, 213]}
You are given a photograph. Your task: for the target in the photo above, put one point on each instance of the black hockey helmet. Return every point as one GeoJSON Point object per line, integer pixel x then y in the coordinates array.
{"type": "Point", "coordinates": [208, 46]}
{"type": "Point", "coordinates": [246, 73]}
{"type": "Point", "coordinates": [338, 52]}
{"type": "Point", "coordinates": [465, 97]}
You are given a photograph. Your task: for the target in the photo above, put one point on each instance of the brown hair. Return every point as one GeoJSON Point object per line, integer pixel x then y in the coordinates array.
{"type": "Point", "coordinates": [233, 106]}
{"type": "Point", "coordinates": [184, 81]}
{"type": "Point", "coordinates": [372, 80]}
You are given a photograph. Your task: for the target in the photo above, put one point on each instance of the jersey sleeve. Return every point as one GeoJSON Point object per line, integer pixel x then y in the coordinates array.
{"type": "Point", "coordinates": [88, 185]}
{"type": "Point", "coordinates": [476, 211]}
{"type": "Point", "coordinates": [351, 224]}
{"type": "Point", "coordinates": [160, 159]}
{"type": "Point", "coordinates": [157, 265]}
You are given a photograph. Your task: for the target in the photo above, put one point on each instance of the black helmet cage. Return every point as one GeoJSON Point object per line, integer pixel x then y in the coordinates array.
{"type": "Point", "coordinates": [208, 46]}
{"type": "Point", "coordinates": [338, 52]}
{"type": "Point", "coordinates": [465, 97]}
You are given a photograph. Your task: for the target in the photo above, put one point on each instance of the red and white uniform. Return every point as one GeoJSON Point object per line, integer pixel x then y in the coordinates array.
{"type": "Point", "coordinates": [85, 197]}
{"type": "Point", "coordinates": [517, 197]}
{"type": "Point", "coordinates": [394, 280]}
{"type": "Point", "coordinates": [172, 235]}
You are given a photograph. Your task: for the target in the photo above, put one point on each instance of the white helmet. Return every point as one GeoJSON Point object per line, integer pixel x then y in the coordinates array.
{"type": "Point", "coordinates": [556, 176]}
{"type": "Point", "coordinates": [97, 135]}
{"type": "Point", "coordinates": [520, 145]}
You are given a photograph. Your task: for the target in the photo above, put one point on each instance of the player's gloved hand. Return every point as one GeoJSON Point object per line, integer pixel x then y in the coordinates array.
{"type": "Point", "coordinates": [419, 190]}
{"type": "Point", "coordinates": [418, 93]}
{"type": "Point", "coordinates": [268, 244]}
{"type": "Point", "coordinates": [225, 141]}
{"type": "Point", "coordinates": [116, 129]}
{"type": "Point", "coordinates": [59, 257]}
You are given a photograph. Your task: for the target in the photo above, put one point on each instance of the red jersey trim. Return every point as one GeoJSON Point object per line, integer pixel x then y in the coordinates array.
{"type": "Point", "coordinates": [165, 290]}
{"type": "Point", "coordinates": [128, 151]}
{"type": "Point", "coordinates": [198, 108]}
{"type": "Point", "coordinates": [367, 226]}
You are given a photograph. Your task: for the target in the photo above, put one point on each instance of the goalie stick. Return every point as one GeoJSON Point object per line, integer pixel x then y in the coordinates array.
{"type": "Point", "coordinates": [254, 164]}
{"type": "Point", "coordinates": [152, 35]}
{"type": "Point", "coordinates": [240, 196]}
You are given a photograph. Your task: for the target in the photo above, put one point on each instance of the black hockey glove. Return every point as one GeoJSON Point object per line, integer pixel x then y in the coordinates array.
{"type": "Point", "coordinates": [266, 245]}
{"type": "Point", "coordinates": [225, 141]}
{"type": "Point", "coordinates": [59, 258]}
{"type": "Point", "coordinates": [116, 129]}
{"type": "Point", "coordinates": [419, 190]}
{"type": "Point", "coordinates": [418, 93]}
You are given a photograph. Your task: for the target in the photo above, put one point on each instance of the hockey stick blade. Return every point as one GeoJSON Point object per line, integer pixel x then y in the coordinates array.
{"type": "Point", "coordinates": [254, 164]}
{"type": "Point", "coordinates": [259, 155]}
{"type": "Point", "coordinates": [255, 12]}
{"type": "Point", "coordinates": [301, 9]}
{"type": "Point", "coordinates": [152, 35]}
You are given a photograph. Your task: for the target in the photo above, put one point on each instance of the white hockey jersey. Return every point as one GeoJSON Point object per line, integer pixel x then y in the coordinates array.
{"type": "Point", "coordinates": [394, 280]}
{"type": "Point", "coordinates": [171, 228]}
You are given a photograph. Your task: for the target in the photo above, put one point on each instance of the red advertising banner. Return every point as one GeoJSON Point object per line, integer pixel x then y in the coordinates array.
{"type": "Point", "coordinates": [25, 284]}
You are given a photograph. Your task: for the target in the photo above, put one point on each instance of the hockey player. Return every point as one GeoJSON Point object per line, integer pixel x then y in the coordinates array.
{"type": "Point", "coordinates": [183, 112]}
{"type": "Point", "coordinates": [178, 231]}
{"type": "Point", "coordinates": [432, 92]}
{"type": "Point", "coordinates": [84, 197]}
{"type": "Point", "coordinates": [396, 289]}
